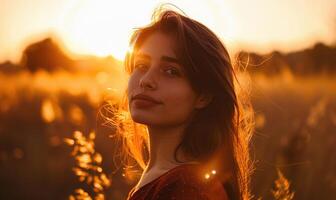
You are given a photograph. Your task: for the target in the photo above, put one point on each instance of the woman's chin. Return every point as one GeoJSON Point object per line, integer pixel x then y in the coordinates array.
{"type": "Point", "coordinates": [141, 119]}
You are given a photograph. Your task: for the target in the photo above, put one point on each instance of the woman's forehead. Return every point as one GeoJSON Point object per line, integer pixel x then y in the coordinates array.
{"type": "Point", "coordinates": [155, 44]}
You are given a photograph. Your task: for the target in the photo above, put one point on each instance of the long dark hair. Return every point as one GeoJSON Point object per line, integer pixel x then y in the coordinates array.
{"type": "Point", "coordinates": [219, 134]}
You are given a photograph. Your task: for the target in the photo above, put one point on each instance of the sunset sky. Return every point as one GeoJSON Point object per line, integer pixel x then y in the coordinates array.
{"type": "Point", "coordinates": [102, 27]}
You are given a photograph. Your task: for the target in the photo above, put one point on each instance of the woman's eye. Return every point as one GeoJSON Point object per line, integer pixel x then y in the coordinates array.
{"type": "Point", "coordinates": [140, 66]}
{"type": "Point", "coordinates": [173, 71]}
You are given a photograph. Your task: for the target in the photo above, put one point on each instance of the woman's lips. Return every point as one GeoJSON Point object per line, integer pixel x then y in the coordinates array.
{"type": "Point", "coordinates": [143, 103]}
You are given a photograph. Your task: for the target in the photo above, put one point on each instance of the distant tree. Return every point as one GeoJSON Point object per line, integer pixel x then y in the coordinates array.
{"type": "Point", "coordinates": [45, 55]}
{"type": "Point", "coordinates": [9, 68]}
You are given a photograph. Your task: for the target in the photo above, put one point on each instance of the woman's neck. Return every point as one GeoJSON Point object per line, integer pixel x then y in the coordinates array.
{"type": "Point", "coordinates": [162, 144]}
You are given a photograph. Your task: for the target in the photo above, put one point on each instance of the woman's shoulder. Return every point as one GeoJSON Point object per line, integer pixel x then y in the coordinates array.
{"type": "Point", "coordinates": [184, 182]}
{"type": "Point", "coordinates": [190, 182]}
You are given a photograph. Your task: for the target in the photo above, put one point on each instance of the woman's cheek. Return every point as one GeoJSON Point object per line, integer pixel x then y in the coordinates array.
{"type": "Point", "coordinates": [132, 82]}
{"type": "Point", "coordinates": [179, 96]}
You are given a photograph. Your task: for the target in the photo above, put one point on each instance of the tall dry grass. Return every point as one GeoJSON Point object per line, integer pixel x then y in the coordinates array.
{"type": "Point", "coordinates": [295, 118]}
{"type": "Point", "coordinates": [88, 167]}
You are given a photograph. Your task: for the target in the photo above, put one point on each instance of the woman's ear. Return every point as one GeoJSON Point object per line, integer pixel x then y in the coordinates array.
{"type": "Point", "coordinates": [203, 100]}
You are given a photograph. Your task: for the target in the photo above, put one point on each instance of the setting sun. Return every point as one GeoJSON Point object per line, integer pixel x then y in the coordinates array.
{"type": "Point", "coordinates": [102, 28]}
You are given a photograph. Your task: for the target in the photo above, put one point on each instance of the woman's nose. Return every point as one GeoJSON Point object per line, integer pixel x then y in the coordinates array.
{"type": "Point", "coordinates": [147, 81]}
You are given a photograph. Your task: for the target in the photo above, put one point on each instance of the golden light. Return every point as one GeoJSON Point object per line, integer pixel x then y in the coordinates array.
{"type": "Point", "coordinates": [103, 27]}
{"type": "Point", "coordinates": [76, 114]}
{"type": "Point", "coordinates": [208, 175]}
{"type": "Point", "coordinates": [47, 111]}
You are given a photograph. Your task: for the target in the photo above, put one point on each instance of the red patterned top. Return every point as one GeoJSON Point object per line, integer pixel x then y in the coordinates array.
{"type": "Point", "coordinates": [184, 182]}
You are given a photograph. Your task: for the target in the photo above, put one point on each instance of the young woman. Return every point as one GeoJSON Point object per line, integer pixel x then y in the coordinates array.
{"type": "Point", "coordinates": [183, 120]}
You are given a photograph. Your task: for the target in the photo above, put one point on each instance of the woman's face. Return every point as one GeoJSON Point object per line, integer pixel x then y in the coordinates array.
{"type": "Point", "coordinates": [158, 74]}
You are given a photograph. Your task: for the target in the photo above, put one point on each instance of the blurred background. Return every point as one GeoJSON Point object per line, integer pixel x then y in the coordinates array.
{"type": "Point", "coordinates": [61, 60]}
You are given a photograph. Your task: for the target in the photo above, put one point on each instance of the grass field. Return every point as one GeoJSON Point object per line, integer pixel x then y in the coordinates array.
{"type": "Point", "coordinates": [295, 119]}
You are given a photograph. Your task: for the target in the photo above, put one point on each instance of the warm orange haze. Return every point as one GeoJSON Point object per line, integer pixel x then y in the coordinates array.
{"type": "Point", "coordinates": [102, 27]}
{"type": "Point", "coordinates": [61, 65]}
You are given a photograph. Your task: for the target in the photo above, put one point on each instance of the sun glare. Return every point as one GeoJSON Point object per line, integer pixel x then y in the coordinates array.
{"type": "Point", "coordinates": [103, 27]}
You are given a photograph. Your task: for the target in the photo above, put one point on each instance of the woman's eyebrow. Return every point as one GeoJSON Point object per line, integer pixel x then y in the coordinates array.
{"type": "Point", "coordinates": [163, 58]}
{"type": "Point", "coordinates": [170, 59]}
